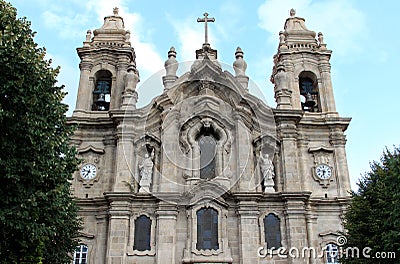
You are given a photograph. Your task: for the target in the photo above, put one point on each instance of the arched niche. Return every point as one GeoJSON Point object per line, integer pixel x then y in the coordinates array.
{"type": "Point", "coordinates": [102, 90]}
{"type": "Point", "coordinates": [309, 92]}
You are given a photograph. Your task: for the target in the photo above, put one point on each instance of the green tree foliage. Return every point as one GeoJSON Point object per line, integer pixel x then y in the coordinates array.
{"type": "Point", "coordinates": [38, 217]}
{"type": "Point", "coordinates": [373, 218]}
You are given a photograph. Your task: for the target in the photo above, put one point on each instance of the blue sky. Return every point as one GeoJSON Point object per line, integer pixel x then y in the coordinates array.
{"type": "Point", "coordinates": [362, 34]}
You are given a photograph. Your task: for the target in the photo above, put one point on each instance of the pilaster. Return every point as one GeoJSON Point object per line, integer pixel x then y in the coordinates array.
{"type": "Point", "coordinates": [296, 223]}
{"type": "Point", "coordinates": [166, 233]}
{"type": "Point", "coordinates": [249, 234]}
{"type": "Point", "coordinates": [124, 170]}
{"type": "Point", "coordinates": [338, 140]}
{"type": "Point", "coordinates": [118, 228]}
{"type": "Point", "coordinates": [84, 98]}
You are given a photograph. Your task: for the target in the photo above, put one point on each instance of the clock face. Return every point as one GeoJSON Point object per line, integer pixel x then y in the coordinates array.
{"type": "Point", "coordinates": [88, 171]}
{"type": "Point", "coordinates": [323, 171]}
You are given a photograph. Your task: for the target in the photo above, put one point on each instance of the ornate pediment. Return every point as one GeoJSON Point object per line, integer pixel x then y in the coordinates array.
{"type": "Point", "coordinates": [87, 148]}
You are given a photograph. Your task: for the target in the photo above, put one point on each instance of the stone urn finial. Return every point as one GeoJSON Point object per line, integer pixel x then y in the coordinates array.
{"type": "Point", "coordinates": [171, 64]}
{"type": "Point", "coordinates": [240, 64]}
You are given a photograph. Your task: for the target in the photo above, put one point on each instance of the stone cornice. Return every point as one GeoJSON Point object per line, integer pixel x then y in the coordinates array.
{"type": "Point", "coordinates": [325, 120]}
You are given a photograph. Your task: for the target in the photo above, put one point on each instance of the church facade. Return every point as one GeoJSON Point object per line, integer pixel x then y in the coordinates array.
{"type": "Point", "coordinates": [207, 172]}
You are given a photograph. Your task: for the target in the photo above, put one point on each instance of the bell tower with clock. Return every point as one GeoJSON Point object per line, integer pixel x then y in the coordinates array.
{"type": "Point", "coordinates": [305, 102]}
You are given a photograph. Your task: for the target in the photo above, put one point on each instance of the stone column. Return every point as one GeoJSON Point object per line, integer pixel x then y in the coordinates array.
{"type": "Point", "coordinates": [302, 143]}
{"type": "Point", "coordinates": [219, 163]}
{"type": "Point", "coordinates": [171, 154]}
{"type": "Point", "coordinates": [326, 90]}
{"type": "Point", "coordinates": [101, 239]}
{"type": "Point", "coordinates": [293, 85]}
{"type": "Point", "coordinates": [296, 224]}
{"type": "Point", "coordinates": [249, 234]}
{"type": "Point", "coordinates": [166, 233]}
{"type": "Point", "coordinates": [291, 175]}
{"type": "Point", "coordinates": [118, 228]}
{"type": "Point", "coordinates": [124, 171]}
{"type": "Point", "coordinates": [116, 91]}
{"type": "Point", "coordinates": [244, 157]}
{"type": "Point", "coordinates": [108, 180]}
{"type": "Point", "coordinates": [311, 221]}
{"type": "Point", "coordinates": [338, 140]}
{"type": "Point", "coordinates": [84, 97]}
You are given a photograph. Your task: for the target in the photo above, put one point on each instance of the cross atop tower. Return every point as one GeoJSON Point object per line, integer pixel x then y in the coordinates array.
{"type": "Point", "coordinates": [205, 20]}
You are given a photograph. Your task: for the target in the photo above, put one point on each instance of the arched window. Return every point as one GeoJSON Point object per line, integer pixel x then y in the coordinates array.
{"type": "Point", "coordinates": [332, 254]}
{"type": "Point", "coordinates": [207, 144]}
{"type": "Point", "coordinates": [272, 231]}
{"type": "Point", "coordinates": [309, 92]}
{"type": "Point", "coordinates": [81, 254]}
{"type": "Point", "coordinates": [102, 91]}
{"type": "Point", "coordinates": [142, 233]}
{"type": "Point", "coordinates": [207, 229]}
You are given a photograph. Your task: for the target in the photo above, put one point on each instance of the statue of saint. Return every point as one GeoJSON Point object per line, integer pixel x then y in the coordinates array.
{"type": "Point", "coordinates": [267, 169]}
{"type": "Point", "coordinates": [146, 171]}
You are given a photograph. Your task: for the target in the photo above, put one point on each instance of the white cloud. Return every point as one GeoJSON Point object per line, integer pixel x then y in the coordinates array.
{"type": "Point", "coordinates": [68, 26]}
{"type": "Point", "coordinates": [148, 60]}
{"type": "Point", "coordinates": [343, 26]}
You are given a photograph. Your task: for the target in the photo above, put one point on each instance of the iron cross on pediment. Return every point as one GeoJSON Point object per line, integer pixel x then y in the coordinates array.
{"type": "Point", "coordinates": [206, 19]}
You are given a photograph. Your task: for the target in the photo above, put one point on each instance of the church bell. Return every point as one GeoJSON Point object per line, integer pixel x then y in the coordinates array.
{"type": "Point", "coordinates": [101, 101]}
{"type": "Point", "coordinates": [309, 101]}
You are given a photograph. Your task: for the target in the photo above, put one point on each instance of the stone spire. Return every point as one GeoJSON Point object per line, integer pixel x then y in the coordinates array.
{"type": "Point", "coordinates": [296, 33]}
{"type": "Point", "coordinates": [171, 66]}
{"type": "Point", "coordinates": [240, 66]}
{"type": "Point", "coordinates": [112, 31]}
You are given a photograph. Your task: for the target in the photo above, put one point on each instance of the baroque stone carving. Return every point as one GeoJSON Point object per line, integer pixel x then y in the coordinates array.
{"type": "Point", "coordinates": [146, 172]}
{"type": "Point", "coordinates": [267, 171]}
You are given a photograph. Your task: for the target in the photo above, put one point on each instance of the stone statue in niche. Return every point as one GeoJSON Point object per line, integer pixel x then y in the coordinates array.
{"type": "Point", "coordinates": [146, 172]}
{"type": "Point", "coordinates": [267, 172]}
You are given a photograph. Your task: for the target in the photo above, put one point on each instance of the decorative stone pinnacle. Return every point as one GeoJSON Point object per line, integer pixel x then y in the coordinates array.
{"type": "Point", "coordinates": [240, 66]}
{"type": "Point", "coordinates": [321, 38]}
{"type": "Point", "coordinates": [239, 53]}
{"type": "Point", "coordinates": [115, 11]}
{"type": "Point", "coordinates": [292, 12]}
{"type": "Point", "coordinates": [171, 64]}
{"type": "Point", "coordinates": [172, 52]}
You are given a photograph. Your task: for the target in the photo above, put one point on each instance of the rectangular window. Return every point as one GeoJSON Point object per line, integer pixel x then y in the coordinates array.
{"type": "Point", "coordinates": [81, 255]}
{"type": "Point", "coordinates": [272, 231]}
{"type": "Point", "coordinates": [207, 229]}
{"type": "Point", "coordinates": [142, 233]}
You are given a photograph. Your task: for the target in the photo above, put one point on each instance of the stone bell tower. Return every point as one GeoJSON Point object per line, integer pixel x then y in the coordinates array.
{"type": "Point", "coordinates": [108, 69]}
{"type": "Point", "coordinates": [301, 72]}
